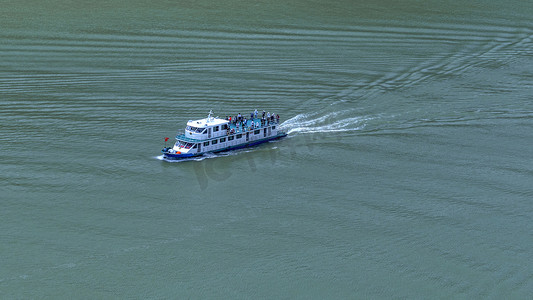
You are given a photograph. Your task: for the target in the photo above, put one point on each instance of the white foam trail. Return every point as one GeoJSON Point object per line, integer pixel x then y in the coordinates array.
{"type": "Point", "coordinates": [307, 123]}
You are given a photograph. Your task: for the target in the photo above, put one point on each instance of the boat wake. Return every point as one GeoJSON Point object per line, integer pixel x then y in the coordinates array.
{"type": "Point", "coordinates": [340, 121]}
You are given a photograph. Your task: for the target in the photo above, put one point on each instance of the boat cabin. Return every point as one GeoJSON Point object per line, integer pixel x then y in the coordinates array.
{"type": "Point", "coordinates": [206, 128]}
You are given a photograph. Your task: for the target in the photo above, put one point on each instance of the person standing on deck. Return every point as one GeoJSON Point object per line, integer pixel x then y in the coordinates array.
{"type": "Point", "coordinates": [255, 113]}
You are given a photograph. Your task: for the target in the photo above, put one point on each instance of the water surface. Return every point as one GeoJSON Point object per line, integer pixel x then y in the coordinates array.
{"type": "Point", "coordinates": [406, 173]}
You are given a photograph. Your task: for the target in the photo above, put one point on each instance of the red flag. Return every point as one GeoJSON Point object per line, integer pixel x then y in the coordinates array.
{"type": "Point", "coordinates": [166, 139]}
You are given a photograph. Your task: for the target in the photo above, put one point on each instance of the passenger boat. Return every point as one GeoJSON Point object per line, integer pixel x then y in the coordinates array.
{"type": "Point", "coordinates": [211, 135]}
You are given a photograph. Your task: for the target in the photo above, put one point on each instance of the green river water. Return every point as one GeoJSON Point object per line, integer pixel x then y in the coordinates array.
{"type": "Point", "coordinates": [407, 171]}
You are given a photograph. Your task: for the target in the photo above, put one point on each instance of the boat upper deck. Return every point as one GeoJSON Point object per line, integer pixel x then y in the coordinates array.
{"type": "Point", "coordinates": [235, 128]}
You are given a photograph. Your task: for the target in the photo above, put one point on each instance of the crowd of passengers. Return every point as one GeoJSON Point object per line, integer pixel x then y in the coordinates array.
{"type": "Point", "coordinates": [242, 122]}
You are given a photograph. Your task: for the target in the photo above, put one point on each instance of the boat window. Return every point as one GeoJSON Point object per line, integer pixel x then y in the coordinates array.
{"type": "Point", "coordinates": [273, 127]}
{"type": "Point", "coordinates": [192, 128]}
{"type": "Point", "coordinates": [205, 131]}
{"type": "Point", "coordinates": [239, 136]}
{"type": "Point", "coordinates": [194, 147]}
{"type": "Point", "coordinates": [206, 143]}
{"type": "Point", "coordinates": [257, 131]}
{"type": "Point", "coordinates": [230, 138]}
{"type": "Point", "coordinates": [225, 126]}
{"type": "Point", "coordinates": [198, 130]}
{"type": "Point", "coordinates": [215, 129]}
{"type": "Point", "coordinates": [182, 144]}
{"type": "Point", "coordinates": [222, 140]}
{"type": "Point", "coordinates": [213, 142]}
